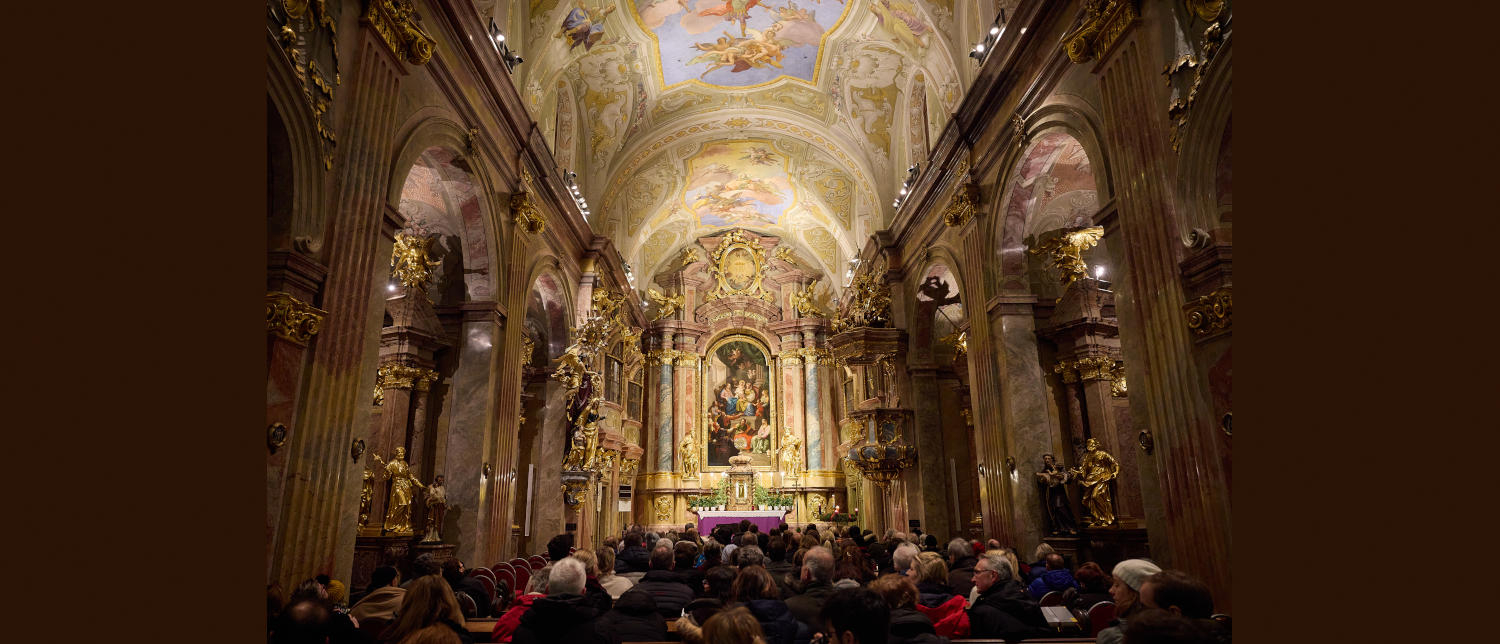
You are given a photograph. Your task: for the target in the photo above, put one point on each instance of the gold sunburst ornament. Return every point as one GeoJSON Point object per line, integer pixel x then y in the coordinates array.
{"type": "Point", "coordinates": [739, 267]}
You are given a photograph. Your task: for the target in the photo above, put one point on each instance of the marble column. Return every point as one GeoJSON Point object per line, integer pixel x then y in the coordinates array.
{"type": "Point", "coordinates": [814, 401]}
{"type": "Point", "coordinates": [1028, 426]}
{"type": "Point", "coordinates": [1168, 392]}
{"type": "Point", "coordinates": [984, 381]}
{"type": "Point", "coordinates": [932, 473]}
{"type": "Point", "coordinates": [792, 406]}
{"type": "Point", "coordinates": [320, 500]}
{"type": "Point", "coordinates": [292, 323]}
{"type": "Point", "coordinates": [685, 396]}
{"type": "Point", "coordinates": [472, 424]}
{"type": "Point", "coordinates": [665, 404]}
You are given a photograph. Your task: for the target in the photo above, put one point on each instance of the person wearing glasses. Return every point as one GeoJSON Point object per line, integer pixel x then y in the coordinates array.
{"type": "Point", "coordinates": [1002, 610]}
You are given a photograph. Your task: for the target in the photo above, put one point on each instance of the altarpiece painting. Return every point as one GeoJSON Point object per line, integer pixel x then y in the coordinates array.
{"type": "Point", "coordinates": [740, 403]}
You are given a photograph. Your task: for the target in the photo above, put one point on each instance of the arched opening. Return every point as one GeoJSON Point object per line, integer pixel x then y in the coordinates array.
{"type": "Point", "coordinates": [279, 184]}
{"type": "Point", "coordinates": [941, 329]}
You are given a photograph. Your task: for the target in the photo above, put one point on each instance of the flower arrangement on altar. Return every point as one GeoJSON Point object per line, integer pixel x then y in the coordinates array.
{"type": "Point", "coordinates": [762, 496]}
{"type": "Point", "coordinates": [838, 516]}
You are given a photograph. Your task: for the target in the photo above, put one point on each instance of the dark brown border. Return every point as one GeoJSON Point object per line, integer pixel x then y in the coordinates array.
{"type": "Point", "coordinates": [139, 364]}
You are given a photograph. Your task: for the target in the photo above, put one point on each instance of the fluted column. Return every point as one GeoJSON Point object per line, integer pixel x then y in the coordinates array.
{"type": "Point", "coordinates": [685, 394]}
{"type": "Point", "coordinates": [292, 322]}
{"type": "Point", "coordinates": [321, 497]}
{"type": "Point", "coordinates": [1165, 382]}
{"type": "Point", "coordinates": [792, 405]}
{"type": "Point", "coordinates": [932, 462]}
{"type": "Point", "coordinates": [983, 369]}
{"type": "Point", "coordinates": [814, 402]}
{"type": "Point", "coordinates": [665, 404]}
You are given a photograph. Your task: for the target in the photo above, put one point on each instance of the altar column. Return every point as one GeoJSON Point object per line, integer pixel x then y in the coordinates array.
{"type": "Point", "coordinates": [792, 404]}
{"type": "Point", "coordinates": [684, 394]}
{"type": "Point", "coordinates": [816, 445]}
{"type": "Point", "coordinates": [664, 404]}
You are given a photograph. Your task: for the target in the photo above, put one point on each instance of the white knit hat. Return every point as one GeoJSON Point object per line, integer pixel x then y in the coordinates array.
{"type": "Point", "coordinates": [1135, 571]}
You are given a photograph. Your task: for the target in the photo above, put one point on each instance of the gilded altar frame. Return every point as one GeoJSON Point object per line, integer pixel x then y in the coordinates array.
{"type": "Point", "coordinates": [735, 241]}
{"type": "Point", "coordinates": [707, 385]}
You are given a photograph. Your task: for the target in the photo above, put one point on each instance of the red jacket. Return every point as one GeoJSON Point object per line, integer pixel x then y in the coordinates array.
{"type": "Point", "coordinates": [505, 627]}
{"type": "Point", "coordinates": [949, 618]}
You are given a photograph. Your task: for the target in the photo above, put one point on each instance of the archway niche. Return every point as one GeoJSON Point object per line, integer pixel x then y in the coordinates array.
{"type": "Point", "coordinates": [539, 503]}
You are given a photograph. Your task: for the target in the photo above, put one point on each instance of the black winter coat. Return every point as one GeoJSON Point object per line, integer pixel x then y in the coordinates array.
{"type": "Point", "coordinates": [633, 559]}
{"type": "Point", "coordinates": [911, 627]}
{"type": "Point", "coordinates": [667, 589]}
{"type": "Point", "coordinates": [559, 619]}
{"type": "Point", "coordinates": [808, 605]}
{"type": "Point", "coordinates": [1006, 612]}
{"type": "Point", "coordinates": [777, 622]}
{"type": "Point", "coordinates": [633, 619]}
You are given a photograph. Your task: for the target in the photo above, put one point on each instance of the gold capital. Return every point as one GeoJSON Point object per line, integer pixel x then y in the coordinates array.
{"type": "Point", "coordinates": [1211, 313]}
{"type": "Point", "coordinates": [396, 22]}
{"type": "Point", "coordinates": [395, 375]}
{"type": "Point", "coordinates": [292, 319]}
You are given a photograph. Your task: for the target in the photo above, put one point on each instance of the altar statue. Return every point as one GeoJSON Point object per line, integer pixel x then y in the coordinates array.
{"type": "Point", "coordinates": [398, 508]}
{"type": "Point", "coordinates": [1052, 478]}
{"type": "Point", "coordinates": [815, 506]}
{"type": "Point", "coordinates": [437, 506]}
{"type": "Point", "coordinates": [791, 453]}
{"type": "Point", "coordinates": [1094, 472]}
{"type": "Point", "coordinates": [689, 449]}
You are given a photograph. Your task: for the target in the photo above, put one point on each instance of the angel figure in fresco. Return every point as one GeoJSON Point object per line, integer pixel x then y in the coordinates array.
{"type": "Point", "coordinates": [900, 18]}
{"type": "Point", "coordinates": [584, 26]}
{"type": "Point", "coordinates": [733, 11]}
{"type": "Point", "coordinates": [759, 156]}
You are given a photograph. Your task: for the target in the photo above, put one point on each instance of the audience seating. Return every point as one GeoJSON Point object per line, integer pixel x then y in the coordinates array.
{"type": "Point", "coordinates": [520, 562]}
{"type": "Point", "coordinates": [467, 603]}
{"type": "Point", "coordinates": [1099, 616]}
{"type": "Point", "coordinates": [523, 575]}
{"type": "Point", "coordinates": [537, 562]}
{"type": "Point", "coordinates": [1053, 598]}
{"type": "Point", "coordinates": [484, 572]}
{"type": "Point", "coordinates": [489, 586]}
{"type": "Point", "coordinates": [507, 575]}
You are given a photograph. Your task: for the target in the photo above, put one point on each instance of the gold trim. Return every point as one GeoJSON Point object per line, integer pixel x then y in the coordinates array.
{"type": "Point", "coordinates": [292, 319]}
{"type": "Point", "coordinates": [399, 376]}
{"type": "Point", "coordinates": [1105, 22]}
{"type": "Point", "coordinates": [1211, 313]}
{"type": "Point", "coordinates": [732, 241]}
{"type": "Point", "coordinates": [523, 210]}
{"type": "Point", "coordinates": [396, 22]}
{"type": "Point", "coordinates": [1064, 253]}
{"type": "Point", "coordinates": [409, 262]}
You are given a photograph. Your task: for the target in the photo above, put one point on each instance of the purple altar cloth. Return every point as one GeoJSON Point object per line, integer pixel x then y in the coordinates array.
{"type": "Point", "coordinates": [765, 523]}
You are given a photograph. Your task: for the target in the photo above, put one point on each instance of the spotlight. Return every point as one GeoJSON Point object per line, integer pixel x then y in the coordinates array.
{"type": "Point", "coordinates": [994, 31]}
{"type": "Point", "coordinates": [979, 48]}
{"type": "Point", "coordinates": [1099, 272]}
{"type": "Point", "coordinates": [903, 191]}
{"type": "Point", "coordinates": [500, 38]}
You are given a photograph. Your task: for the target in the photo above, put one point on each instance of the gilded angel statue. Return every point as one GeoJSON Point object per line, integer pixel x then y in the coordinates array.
{"type": "Point", "coordinates": [1063, 253]}
{"type": "Point", "coordinates": [803, 302]}
{"type": "Point", "coordinates": [666, 305]}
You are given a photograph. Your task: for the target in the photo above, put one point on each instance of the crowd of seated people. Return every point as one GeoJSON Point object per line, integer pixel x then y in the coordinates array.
{"type": "Point", "coordinates": [786, 586]}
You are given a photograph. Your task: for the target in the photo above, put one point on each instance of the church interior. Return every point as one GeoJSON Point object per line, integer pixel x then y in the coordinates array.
{"type": "Point", "coordinates": [583, 267]}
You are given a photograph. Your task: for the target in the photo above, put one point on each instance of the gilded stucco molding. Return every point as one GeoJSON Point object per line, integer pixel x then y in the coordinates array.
{"type": "Point", "coordinates": [1103, 24]}
{"type": "Point", "coordinates": [1064, 253]}
{"type": "Point", "coordinates": [409, 262]}
{"type": "Point", "coordinates": [1092, 368]}
{"type": "Point", "coordinates": [396, 22]}
{"type": "Point", "coordinates": [399, 376]}
{"type": "Point", "coordinates": [523, 210]}
{"type": "Point", "coordinates": [962, 207]}
{"type": "Point", "coordinates": [292, 319]}
{"type": "Point", "coordinates": [303, 28]}
{"type": "Point", "coordinates": [1213, 39]}
{"type": "Point", "coordinates": [1210, 314]}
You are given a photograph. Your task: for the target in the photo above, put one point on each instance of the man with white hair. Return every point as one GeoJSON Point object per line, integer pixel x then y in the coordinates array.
{"type": "Point", "coordinates": [561, 616]}
{"type": "Point", "coordinates": [1002, 609]}
{"type": "Point", "coordinates": [901, 559]}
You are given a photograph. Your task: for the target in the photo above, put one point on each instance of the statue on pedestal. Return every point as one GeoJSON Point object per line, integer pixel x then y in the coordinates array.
{"type": "Point", "coordinates": [398, 509]}
{"type": "Point", "coordinates": [366, 497]}
{"type": "Point", "coordinates": [1094, 472]}
{"type": "Point", "coordinates": [689, 449]}
{"type": "Point", "coordinates": [815, 507]}
{"type": "Point", "coordinates": [1052, 478]}
{"type": "Point", "coordinates": [791, 453]}
{"type": "Point", "coordinates": [437, 506]}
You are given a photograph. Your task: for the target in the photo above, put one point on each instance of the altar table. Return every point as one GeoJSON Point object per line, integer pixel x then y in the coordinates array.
{"type": "Point", "coordinates": [763, 519]}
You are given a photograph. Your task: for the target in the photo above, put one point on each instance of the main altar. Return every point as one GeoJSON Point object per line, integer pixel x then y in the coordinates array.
{"type": "Point", "coordinates": [740, 389]}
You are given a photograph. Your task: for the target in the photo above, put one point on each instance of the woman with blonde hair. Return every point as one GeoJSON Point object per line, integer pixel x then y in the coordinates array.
{"type": "Point", "coordinates": [428, 601]}
{"type": "Point", "coordinates": [733, 626]}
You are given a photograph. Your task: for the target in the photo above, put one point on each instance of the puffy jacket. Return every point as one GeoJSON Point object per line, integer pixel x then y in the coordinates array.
{"type": "Point", "coordinates": [912, 627]}
{"type": "Point", "coordinates": [668, 591]}
{"type": "Point", "coordinates": [1051, 580]}
{"type": "Point", "coordinates": [633, 619]}
{"type": "Point", "coordinates": [560, 619]}
{"type": "Point", "coordinates": [949, 618]}
{"type": "Point", "coordinates": [505, 627]}
{"type": "Point", "coordinates": [1006, 613]}
{"type": "Point", "coordinates": [633, 559]}
{"type": "Point", "coordinates": [777, 622]}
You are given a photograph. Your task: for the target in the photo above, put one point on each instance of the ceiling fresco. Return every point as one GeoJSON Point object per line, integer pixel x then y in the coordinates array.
{"type": "Point", "coordinates": [737, 183]}
{"type": "Point", "coordinates": [737, 43]}
{"type": "Point", "coordinates": [794, 118]}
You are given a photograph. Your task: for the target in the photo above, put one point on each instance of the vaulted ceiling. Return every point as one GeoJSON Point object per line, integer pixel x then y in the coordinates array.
{"type": "Point", "coordinates": [795, 118]}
